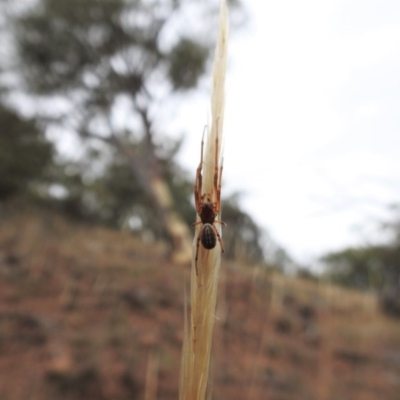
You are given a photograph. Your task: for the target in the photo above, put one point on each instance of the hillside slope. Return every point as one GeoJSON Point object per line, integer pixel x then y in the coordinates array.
{"type": "Point", "coordinates": [90, 313]}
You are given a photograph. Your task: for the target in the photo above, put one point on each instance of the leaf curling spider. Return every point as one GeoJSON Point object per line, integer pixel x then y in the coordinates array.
{"type": "Point", "coordinates": [206, 208]}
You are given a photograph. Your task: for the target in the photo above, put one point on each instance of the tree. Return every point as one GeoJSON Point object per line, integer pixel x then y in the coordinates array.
{"type": "Point", "coordinates": [243, 237]}
{"type": "Point", "coordinates": [375, 267]}
{"type": "Point", "coordinates": [24, 153]}
{"type": "Point", "coordinates": [91, 57]}
{"type": "Point", "coordinates": [115, 199]}
{"type": "Point", "coordinates": [359, 267]}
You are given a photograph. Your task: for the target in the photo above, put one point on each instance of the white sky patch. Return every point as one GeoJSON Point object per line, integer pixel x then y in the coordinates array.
{"type": "Point", "coordinates": [367, 111]}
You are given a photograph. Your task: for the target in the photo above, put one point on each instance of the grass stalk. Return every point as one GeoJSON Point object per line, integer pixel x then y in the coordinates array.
{"type": "Point", "coordinates": [151, 377]}
{"type": "Point", "coordinates": [199, 322]}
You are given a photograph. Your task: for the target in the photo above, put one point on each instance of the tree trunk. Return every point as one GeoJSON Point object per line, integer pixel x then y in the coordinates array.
{"type": "Point", "coordinates": [148, 176]}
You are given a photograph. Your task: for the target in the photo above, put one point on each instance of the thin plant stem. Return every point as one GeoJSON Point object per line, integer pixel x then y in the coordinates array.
{"type": "Point", "coordinates": [199, 319]}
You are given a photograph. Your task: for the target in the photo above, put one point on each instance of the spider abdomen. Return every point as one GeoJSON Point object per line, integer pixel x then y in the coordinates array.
{"type": "Point", "coordinates": [208, 237]}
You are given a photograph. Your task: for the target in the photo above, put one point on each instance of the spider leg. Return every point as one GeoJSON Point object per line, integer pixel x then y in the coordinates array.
{"type": "Point", "coordinates": [199, 180]}
{"type": "Point", "coordinates": [216, 164]}
{"type": "Point", "coordinates": [217, 176]}
{"type": "Point", "coordinates": [219, 238]}
{"type": "Point", "coordinates": [218, 197]}
{"type": "Point", "coordinates": [197, 252]}
{"type": "Point", "coordinates": [219, 222]}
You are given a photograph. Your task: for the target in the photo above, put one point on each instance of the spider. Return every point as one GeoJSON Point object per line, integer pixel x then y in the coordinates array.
{"type": "Point", "coordinates": [206, 208]}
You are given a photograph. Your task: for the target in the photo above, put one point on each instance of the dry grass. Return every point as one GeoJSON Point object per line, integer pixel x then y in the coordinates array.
{"type": "Point", "coordinates": [196, 351]}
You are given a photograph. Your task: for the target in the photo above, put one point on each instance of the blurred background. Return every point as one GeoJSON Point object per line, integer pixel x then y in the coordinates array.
{"type": "Point", "coordinates": [102, 108]}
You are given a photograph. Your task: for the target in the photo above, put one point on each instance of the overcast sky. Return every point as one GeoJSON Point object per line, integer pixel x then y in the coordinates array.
{"type": "Point", "coordinates": [312, 127]}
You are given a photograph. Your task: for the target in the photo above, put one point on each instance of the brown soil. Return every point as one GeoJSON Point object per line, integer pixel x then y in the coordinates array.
{"type": "Point", "coordinates": [90, 313]}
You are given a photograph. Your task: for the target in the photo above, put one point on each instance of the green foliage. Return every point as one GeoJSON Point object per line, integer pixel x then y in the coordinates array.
{"type": "Point", "coordinates": [105, 48]}
{"type": "Point", "coordinates": [242, 237]}
{"type": "Point", "coordinates": [360, 268]}
{"type": "Point", "coordinates": [306, 274]}
{"type": "Point", "coordinates": [374, 267]}
{"type": "Point", "coordinates": [24, 153]}
{"type": "Point", "coordinates": [184, 75]}
{"type": "Point", "coordinates": [63, 43]}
